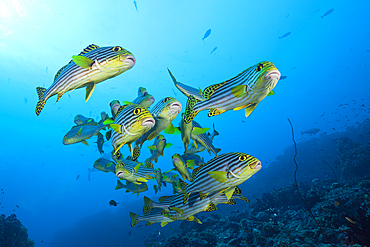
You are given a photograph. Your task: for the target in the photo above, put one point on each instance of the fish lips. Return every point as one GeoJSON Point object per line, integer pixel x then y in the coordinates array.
{"type": "Point", "coordinates": [120, 174]}
{"type": "Point", "coordinates": [148, 122]}
{"type": "Point", "coordinates": [128, 59]}
{"type": "Point", "coordinates": [273, 75]}
{"type": "Point", "coordinates": [257, 166]}
{"type": "Point", "coordinates": [176, 107]}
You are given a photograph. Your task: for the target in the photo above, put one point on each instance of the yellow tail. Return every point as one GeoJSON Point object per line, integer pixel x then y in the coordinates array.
{"type": "Point", "coordinates": [41, 103]}
{"type": "Point", "coordinates": [147, 205]}
{"type": "Point", "coordinates": [134, 220]}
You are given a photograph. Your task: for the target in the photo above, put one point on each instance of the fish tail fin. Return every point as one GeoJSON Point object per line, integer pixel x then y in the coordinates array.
{"type": "Point", "coordinates": [215, 131]}
{"type": "Point", "coordinates": [190, 113]}
{"type": "Point", "coordinates": [41, 103]}
{"type": "Point", "coordinates": [218, 150]}
{"type": "Point", "coordinates": [155, 187]}
{"type": "Point", "coordinates": [134, 219]}
{"type": "Point", "coordinates": [147, 205]}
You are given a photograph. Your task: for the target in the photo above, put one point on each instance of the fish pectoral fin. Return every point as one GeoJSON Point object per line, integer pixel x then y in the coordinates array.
{"type": "Point", "coordinates": [199, 131]}
{"type": "Point", "coordinates": [131, 149]}
{"type": "Point", "coordinates": [195, 144]}
{"type": "Point", "coordinates": [117, 128]}
{"type": "Point", "coordinates": [215, 112]}
{"type": "Point", "coordinates": [89, 89]}
{"type": "Point", "coordinates": [170, 129]}
{"type": "Point", "coordinates": [211, 207]}
{"type": "Point", "coordinates": [239, 91]}
{"type": "Point", "coordinates": [152, 147]}
{"type": "Point", "coordinates": [179, 210]}
{"type": "Point", "coordinates": [85, 142]}
{"type": "Point", "coordinates": [83, 62]}
{"type": "Point", "coordinates": [249, 109]}
{"type": "Point", "coordinates": [271, 93]}
{"type": "Point", "coordinates": [136, 168]}
{"type": "Point", "coordinates": [219, 176]}
{"type": "Point", "coordinates": [142, 180]}
{"type": "Point", "coordinates": [167, 146]}
{"type": "Point", "coordinates": [79, 132]}
{"type": "Point", "coordinates": [240, 107]}
{"type": "Point", "coordinates": [229, 192]}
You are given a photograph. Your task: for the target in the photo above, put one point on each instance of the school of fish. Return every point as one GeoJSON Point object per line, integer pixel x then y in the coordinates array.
{"type": "Point", "coordinates": [197, 185]}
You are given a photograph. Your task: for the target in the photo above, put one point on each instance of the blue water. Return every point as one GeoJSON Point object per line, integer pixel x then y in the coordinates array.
{"type": "Point", "coordinates": [326, 61]}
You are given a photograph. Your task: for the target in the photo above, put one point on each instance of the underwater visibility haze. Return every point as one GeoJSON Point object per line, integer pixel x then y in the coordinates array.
{"type": "Point", "coordinates": [184, 123]}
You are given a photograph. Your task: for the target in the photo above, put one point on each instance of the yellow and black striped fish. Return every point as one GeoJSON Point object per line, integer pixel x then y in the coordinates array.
{"type": "Point", "coordinates": [131, 121]}
{"type": "Point", "coordinates": [245, 90]}
{"type": "Point", "coordinates": [92, 66]}
{"type": "Point", "coordinates": [204, 140]}
{"type": "Point", "coordinates": [222, 174]}
{"type": "Point", "coordinates": [152, 217]}
{"type": "Point", "coordinates": [134, 173]}
{"type": "Point", "coordinates": [143, 99]}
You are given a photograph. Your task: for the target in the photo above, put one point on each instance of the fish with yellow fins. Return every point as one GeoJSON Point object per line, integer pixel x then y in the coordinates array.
{"type": "Point", "coordinates": [245, 90]}
{"type": "Point", "coordinates": [156, 150]}
{"type": "Point", "coordinates": [135, 174]}
{"type": "Point", "coordinates": [132, 187]}
{"type": "Point", "coordinates": [222, 173]}
{"type": "Point", "coordinates": [131, 121]}
{"type": "Point", "coordinates": [143, 99]}
{"type": "Point", "coordinates": [92, 66]}
{"type": "Point", "coordinates": [80, 133]}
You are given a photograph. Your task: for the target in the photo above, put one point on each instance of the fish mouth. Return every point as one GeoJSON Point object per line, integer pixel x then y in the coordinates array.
{"type": "Point", "coordinates": [130, 60]}
{"type": "Point", "coordinates": [148, 122]}
{"type": "Point", "coordinates": [273, 75]}
{"type": "Point", "coordinates": [119, 174]}
{"type": "Point", "coordinates": [176, 106]}
{"type": "Point", "coordinates": [257, 166]}
{"type": "Point", "coordinates": [151, 99]}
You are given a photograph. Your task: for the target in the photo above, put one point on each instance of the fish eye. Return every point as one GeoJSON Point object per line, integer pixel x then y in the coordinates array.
{"type": "Point", "coordinates": [259, 67]}
{"type": "Point", "coordinates": [166, 99]}
{"type": "Point", "coordinates": [137, 111]}
{"type": "Point", "coordinates": [117, 48]}
{"type": "Point", "coordinates": [242, 158]}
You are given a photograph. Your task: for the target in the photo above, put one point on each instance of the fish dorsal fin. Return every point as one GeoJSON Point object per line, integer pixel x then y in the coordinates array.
{"type": "Point", "coordinates": [195, 172]}
{"type": "Point", "coordinates": [88, 49]}
{"type": "Point", "coordinates": [60, 71]}
{"type": "Point", "coordinates": [208, 91]}
{"type": "Point", "coordinates": [119, 110]}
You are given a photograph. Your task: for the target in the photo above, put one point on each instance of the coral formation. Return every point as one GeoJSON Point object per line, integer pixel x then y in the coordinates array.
{"type": "Point", "coordinates": [13, 233]}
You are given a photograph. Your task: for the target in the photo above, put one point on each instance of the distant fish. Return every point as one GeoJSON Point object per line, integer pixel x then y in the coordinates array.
{"type": "Point", "coordinates": [25, 100]}
{"type": "Point", "coordinates": [113, 203]}
{"type": "Point", "coordinates": [47, 68]}
{"type": "Point", "coordinates": [69, 95]}
{"type": "Point", "coordinates": [174, 92]}
{"type": "Point", "coordinates": [78, 176]}
{"type": "Point", "coordinates": [316, 10]}
{"type": "Point", "coordinates": [350, 220]}
{"type": "Point", "coordinates": [136, 6]}
{"type": "Point", "coordinates": [214, 49]}
{"type": "Point", "coordinates": [129, 233]}
{"type": "Point", "coordinates": [283, 77]}
{"type": "Point", "coordinates": [312, 131]}
{"type": "Point", "coordinates": [327, 13]}
{"type": "Point", "coordinates": [285, 35]}
{"type": "Point", "coordinates": [208, 32]}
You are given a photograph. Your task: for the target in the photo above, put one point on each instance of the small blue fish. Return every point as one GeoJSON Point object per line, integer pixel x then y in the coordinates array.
{"type": "Point", "coordinates": [327, 13]}
{"type": "Point", "coordinates": [214, 49]}
{"type": "Point", "coordinates": [283, 77]}
{"type": "Point", "coordinates": [25, 100]}
{"type": "Point", "coordinates": [135, 6]}
{"type": "Point", "coordinates": [174, 92]}
{"type": "Point", "coordinates": [208, 32]}
{"type": "Point", "coordinates": [285, 35]}
{"type": "Point", "coordinates": [47, 69]}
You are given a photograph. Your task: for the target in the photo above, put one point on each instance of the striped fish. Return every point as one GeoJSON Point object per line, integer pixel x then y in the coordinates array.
{"type": "Point", "coordinates": [245, 90]}
{"type": "Point", "coordinates": [132, 187]}
{"type": "Point", "coordinates": [92, 66]}
{"type": "Point", "coordinates": [221, 174]}
{"type": "Point", "coordinates": [149, 204]}
{"type": "Point", "coordinates": [105, 165]}
{"type": "Point", "coordinates": [143, 99]}
{"type": "Point", "coordinates": [204, 140]}
{"type": "Point", "coordinates": [80, 133]}
{"type": "Point", "coordinates": [156, 150]}
{"type": "Point", "coordinates": [154, 216]}
{"type": "Point", "coordinates": [137, 174]}
{"type": "Point", "coordinates": [181, 166]}
{"type": "Point", "coordinates": [131, 122]}
{"type": "Point", "coordinates": [164, 112]}
{"type": "Point", "coordinates": [198, 161]}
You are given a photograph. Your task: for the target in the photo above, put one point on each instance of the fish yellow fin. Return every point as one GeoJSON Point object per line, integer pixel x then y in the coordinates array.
{"type": "Point", "coordinates": [168, 145]}
{"type": "Point", "coordinates": [203, 195]}
{"type": "Point", "coordinates": [219, 176]}
{"type": "Point", "coordinates": [239, 91]}
{"type": "Point", "coordinates": [60, 94]}
{"type": "Point", "coordinates": [240, 107]}
{"type": "Point", "coordinates": [41, 103]}
{"type": "Point", "coordinates": [249, 109]}
{"type": "Point", "coordinates": [79, 132]}
{"type": "Point", "coordinates": [142, 180]}
{"type": "Point", "coordinates": [152, 147]}
{"type": "Point", "coordinates": [134, 220]}
{"type": "Point", "coordinates": [214, 112]}
{"type": "Point", "coordinates": [89, 89]}
{"type": "Point", "coordinates": [190, 163]}
{"type": "Point", "coordinates": [229, 192]}
{"type": "Point", "coordinates": [108, 121]}
{"type": "Point", "coordinates": [131, 149]}
{"type": "Point", "coordinates": [163, 224]}
{"type": "Point", "coordinates": [200, 91]}
{"type": "Point", "coordinates": [199, 131]}
{"type": "Point", "coordinates": [117, 128]}
{"type": "Point", "coordinates": [170, 129]}
{"type": "Point", "coordinates": [149, 223]}
{"type": "Point", "coordinates": [136, 168]}
{"type": "Point", "coordinates": [85, 142]}
{"type": "Point", "coordinates": [179, 210]}
{"type": "Point", "coordinates": [147, 205]}
{"type": "Point", "coordinates": [83, 62]}
{"type": "Point", "coordinates": [211, 207]}
{"type": "Point", "coordinates": [271, 93]}
{"type": "Point", "coordinates": [230, 202]}
{"type": "Point", "coordinates": [119, 185]}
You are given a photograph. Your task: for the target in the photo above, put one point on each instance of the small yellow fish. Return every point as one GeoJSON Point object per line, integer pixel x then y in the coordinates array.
{"type": "Point", "coordinates": [350, 220]}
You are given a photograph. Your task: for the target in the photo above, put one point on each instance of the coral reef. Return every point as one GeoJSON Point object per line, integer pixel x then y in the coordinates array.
{"type": "Point", "coordinates": [280, 219]}
{"type": "Point", "coordinates": [13, 233]}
